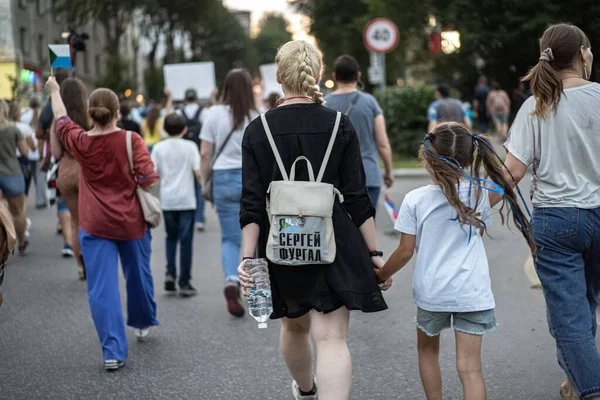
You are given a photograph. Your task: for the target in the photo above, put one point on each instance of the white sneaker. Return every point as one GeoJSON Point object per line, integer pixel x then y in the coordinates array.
{"type": "Point", "coordinates": [200, 226]}
{"type": "Point", "coordinates": [299, 396]}
{"type": "Point", "coordinates": [113, 365]}
{"type": "Point", "coordinates": [142, 334]}
{"type": "Point", "coordinates": [28, 228]}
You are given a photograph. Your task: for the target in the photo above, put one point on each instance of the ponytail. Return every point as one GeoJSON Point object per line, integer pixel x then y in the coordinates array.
{"type": "Point", "coordinates": [495, 170]}
{"type": "Point", "coordinates": [545, 86]}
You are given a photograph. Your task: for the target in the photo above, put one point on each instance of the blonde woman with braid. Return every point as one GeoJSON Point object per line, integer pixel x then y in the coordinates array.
{"type": "Point", "coordinates": [313, 298]}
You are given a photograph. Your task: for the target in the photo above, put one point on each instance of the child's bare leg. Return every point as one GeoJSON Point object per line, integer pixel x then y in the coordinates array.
{"type": "Point", "coordinates": [468, 364]}
{"type": "Point", "coordinates": [429, 364]}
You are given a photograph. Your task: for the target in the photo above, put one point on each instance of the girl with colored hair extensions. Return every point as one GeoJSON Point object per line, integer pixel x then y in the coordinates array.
{"type": "Point", "coordinates": [446, 221]}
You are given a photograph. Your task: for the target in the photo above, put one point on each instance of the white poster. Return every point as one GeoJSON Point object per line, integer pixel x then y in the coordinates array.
{"type": "Point", "coordinates": [269, 77]}
{"type": "Point", "coordinates": [181, 77]}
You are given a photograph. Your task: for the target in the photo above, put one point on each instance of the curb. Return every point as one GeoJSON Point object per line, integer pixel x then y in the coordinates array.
{"type": "Point", "coordinates": [411, 173]}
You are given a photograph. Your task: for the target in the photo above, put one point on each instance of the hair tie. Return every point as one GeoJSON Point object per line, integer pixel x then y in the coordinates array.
{"type": "Point", "coordinates": [547, 55]}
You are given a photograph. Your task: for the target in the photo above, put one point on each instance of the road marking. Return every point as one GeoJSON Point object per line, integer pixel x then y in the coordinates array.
{"type": "Point", "coordinates": [532, 276]}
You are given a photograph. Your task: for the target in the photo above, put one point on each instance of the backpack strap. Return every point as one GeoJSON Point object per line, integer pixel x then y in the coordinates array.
{"type": "Point", "coordinates": [330, 147]}
{"type": "Point", "coordinates": [274, 148]}
{"type": "Point", "coordinates": [197, 115]}
{"type": "Point", "coordinates": [182, 110]}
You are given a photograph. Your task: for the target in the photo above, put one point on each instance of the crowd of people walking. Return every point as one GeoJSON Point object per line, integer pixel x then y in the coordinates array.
{"type": "Point", "coordinates": [227, 153]}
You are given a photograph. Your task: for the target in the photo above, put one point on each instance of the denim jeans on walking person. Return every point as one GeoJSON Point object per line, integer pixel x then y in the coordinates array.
{"type": "Point", "coordinates": [199, 213]}
{"type": "Point", "coordinates": [374, 193]}
{"type": "Point", "coordinates": [568, 265]}
{"type": "Point", "coordinates": [180, 229]}
{"type": "Point", "coordinates": [102, 269]}
{"type": "Point", "coordinates": [227, 194]}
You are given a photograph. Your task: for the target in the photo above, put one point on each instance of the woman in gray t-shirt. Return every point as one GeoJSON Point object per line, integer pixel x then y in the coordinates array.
{"type": "Point", "coordinates": [12, 182]}
{"type": "Point", "coordinates": [557, 132]}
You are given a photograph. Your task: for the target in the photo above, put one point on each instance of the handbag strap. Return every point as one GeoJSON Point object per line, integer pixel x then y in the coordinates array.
{"type": "Point", "coordinates": [330, 146]}
{"type": "Point", "coordinates": [352, 103]}
{"type": "Point", "coordinates": [130, 153]}
{"type": "Point", "coordinates": [274, 147]}
{"type": "Point", "coordinates": [222, 147]}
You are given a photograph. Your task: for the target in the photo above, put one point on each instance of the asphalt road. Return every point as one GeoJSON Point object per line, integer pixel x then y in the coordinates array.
{"type": "Point", "coordinates": [49, 348]}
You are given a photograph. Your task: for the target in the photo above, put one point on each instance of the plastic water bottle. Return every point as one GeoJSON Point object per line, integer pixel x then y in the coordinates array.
{"type": "Point", "coordinates": [260, 304]}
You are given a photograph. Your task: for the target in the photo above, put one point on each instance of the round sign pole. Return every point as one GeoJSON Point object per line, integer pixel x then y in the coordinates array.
{"type": "Point", "coordinates": [381, 36]}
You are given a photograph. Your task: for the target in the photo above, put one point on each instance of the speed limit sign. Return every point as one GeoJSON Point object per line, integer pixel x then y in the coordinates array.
{"type": "Point", "coordinates": [381, 36]}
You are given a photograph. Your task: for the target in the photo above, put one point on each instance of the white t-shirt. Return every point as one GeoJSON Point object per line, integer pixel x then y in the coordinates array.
{"type": "Point", "coordinates": [27, 132]}
{"type": "Point", "coordinates": [451, 273]}
{"type": "Point", "coordinates": [176, 161]}
{"type": "Point", "coordinates": [217, 125]}
{"type": "Point", "coordinates": [564, 149]}
{"type": "Point", "coordinates": [191, 110]}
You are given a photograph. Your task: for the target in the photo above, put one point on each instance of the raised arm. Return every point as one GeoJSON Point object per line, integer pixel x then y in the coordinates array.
{"type": "Point", "coordinates": [58, 107]}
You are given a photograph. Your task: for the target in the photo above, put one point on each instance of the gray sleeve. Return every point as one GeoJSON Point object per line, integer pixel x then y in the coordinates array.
{"type": "Point", "coordinates": [374, 106]}
{"type": "Point", "coordinates": [521, 138]}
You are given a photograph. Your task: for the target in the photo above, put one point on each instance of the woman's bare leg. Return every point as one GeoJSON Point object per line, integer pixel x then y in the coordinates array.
{"type": "Point", "coordinates": [72, 201]}
{"type": "Point", "coordinates": [16, 205]}
{"type": "Point", "coordinates": [334, 365]}
{"type": "Point", "coordinates": [297, 350]}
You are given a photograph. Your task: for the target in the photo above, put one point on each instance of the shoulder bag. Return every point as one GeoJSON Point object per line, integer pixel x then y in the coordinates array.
{"type": "Point", "coordinates": [150, 204]}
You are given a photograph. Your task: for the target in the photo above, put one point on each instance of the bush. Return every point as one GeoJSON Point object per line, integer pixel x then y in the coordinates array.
{"type": "Point", "coordinates": [406, 117]}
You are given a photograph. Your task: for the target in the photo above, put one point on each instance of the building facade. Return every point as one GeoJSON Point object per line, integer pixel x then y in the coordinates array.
{"type": "Point", "coordinates": [27, 27]}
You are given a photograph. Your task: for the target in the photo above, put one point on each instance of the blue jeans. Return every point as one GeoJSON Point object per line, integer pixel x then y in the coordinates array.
{"type": "Point", "coordinates": [180, 228]}
{"type": "Point", "coordinates": [102, 269]}
{"type": "Point", "coordinates": [374, 192]}
{"type": "Point", "coordinates": [199, 213]}
{"type": "Point", "coordinates": [12, 186]}
{"type": "Point", "coordinates": [568, 265]}
{"type": "Point", "coordinates": [227, 194]}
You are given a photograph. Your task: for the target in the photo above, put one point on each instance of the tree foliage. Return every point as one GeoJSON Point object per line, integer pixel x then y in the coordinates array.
{"type": "Point", "coordinates": [273, 34]}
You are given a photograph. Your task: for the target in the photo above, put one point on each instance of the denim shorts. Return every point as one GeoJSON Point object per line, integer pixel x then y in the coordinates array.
{"type": "Point", "coordinates": [61, 206]}
{"type": "Point", "coordinates": [12, 186]}
{"type": "Point", "coordinates": [474, 323]}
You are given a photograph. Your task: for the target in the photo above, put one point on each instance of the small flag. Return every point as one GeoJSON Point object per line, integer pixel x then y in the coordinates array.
{"type": "Point", "coordinates": [391, 208]}
{"type": "Point", "coordinates": [60, 56]}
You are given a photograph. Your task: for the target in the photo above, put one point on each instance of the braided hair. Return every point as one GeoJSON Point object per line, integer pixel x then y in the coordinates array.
{"type": "Point", "coordinates": [299, 67]}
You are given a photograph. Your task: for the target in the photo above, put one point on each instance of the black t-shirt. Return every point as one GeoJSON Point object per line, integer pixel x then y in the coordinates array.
{"type": "Point", "coordinates": [481, 94]}
{"type": "Point", "coordinates": [129, 125]}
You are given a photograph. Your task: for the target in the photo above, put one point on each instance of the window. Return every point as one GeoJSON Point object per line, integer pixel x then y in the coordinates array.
{"type": "Point", "coordinates": [24, 41]}
{"type": "Point", "coordinates": [98, 63]}
{"type": "Point", "coordinates": [39, 7]}
{"type": "Point", "coordinates": [21, 4]}
{"type": "Point", "coordinates": [42, 49]}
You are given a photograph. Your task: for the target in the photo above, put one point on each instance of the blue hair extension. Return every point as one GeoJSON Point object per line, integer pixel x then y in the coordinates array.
{"type": "Point", "coordinates": [480, 139]}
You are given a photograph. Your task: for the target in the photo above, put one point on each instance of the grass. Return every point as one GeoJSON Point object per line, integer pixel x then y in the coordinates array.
{"type": "Point", "coordinates": [399, 162]}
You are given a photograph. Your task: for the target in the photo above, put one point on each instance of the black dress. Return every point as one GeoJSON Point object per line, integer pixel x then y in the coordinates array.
{"type": "Point", "coordinates": [305, 130]}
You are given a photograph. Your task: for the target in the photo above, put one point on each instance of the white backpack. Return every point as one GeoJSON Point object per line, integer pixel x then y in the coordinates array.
{"type": "Point", "coordinates": [300, 212]}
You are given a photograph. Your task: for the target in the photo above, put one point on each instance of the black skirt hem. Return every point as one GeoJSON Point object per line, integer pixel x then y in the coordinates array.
{"type": "Point", "coordinates": [326, 310]}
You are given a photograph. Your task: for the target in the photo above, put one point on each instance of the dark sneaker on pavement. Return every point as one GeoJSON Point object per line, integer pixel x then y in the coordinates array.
{"type": "Point", "coordinates": [187, 290]}
{"type": "Point", "coordinates": [113, 365]}
{"type": "Point", "coordinates": [235, 306]}
{"type": "Point", "coordinates": [23, 249]}
{"type": "Point", "coordinates": [170, 283]}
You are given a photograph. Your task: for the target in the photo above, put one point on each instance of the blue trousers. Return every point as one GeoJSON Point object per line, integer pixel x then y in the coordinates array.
{"type": "Point", "coordinates": [180, 229]}
{"type": "Point", "coordinates": [568, 265]}
{"type": "Point", "coordinates": [227, 195]}
{"type": "Point", "coordinates": [102, 268]}
{"type": "Point", "coordinates": [199, 217]}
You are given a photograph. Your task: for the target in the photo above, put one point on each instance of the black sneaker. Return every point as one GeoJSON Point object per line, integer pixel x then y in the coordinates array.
{"type": "Point", "coordinates": [170, 283]}
{"type": "Point", "coordinates": [23, 249]}
{"type": "Point", "coordinates": [187, 290]}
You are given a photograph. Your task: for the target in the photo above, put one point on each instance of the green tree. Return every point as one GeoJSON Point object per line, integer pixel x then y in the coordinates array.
{"type": "Point", "coordinates": [273, 34]}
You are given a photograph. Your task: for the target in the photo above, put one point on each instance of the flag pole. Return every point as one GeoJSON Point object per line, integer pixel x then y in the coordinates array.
{"type": "Point", "coordinates": [51, 71]}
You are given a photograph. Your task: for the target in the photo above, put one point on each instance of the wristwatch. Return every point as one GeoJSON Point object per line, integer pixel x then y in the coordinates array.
{"type": "Point", "coordinates": [376, 253]}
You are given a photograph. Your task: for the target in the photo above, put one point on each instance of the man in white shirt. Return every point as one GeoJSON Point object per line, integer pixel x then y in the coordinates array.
{"type": "Point", "coordinates": [177, 161]}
